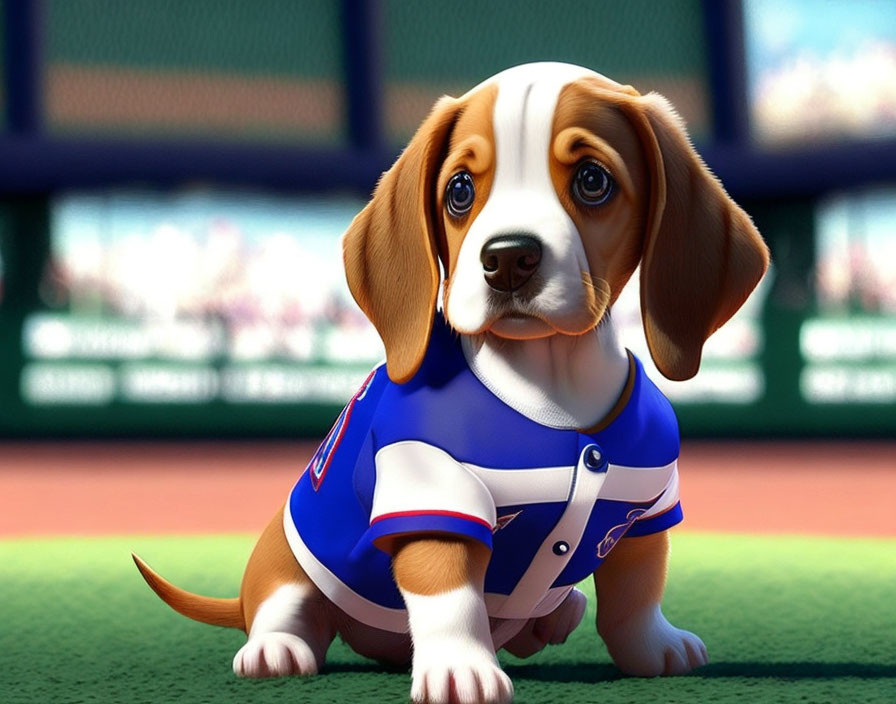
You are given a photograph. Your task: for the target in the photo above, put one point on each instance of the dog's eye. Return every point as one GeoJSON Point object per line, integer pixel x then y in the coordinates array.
{"type": "Point", "coordinates": [593, 184]}
{"type": "Point", "coordinates": [460, 194]}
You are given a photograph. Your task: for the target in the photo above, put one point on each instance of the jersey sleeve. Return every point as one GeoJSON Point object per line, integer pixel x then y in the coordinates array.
{"type": "Point", "coordinates": [421, 488]}
{"type": "Point", "coordinates": [664, 514]}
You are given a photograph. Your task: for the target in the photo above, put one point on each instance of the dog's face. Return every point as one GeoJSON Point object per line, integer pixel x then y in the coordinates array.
{"type": "Point", "coordinates": [556, 231]}
{"type": "Point", "coordinates": [541, 191]}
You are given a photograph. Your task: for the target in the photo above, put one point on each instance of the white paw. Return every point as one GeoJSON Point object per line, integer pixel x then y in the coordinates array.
{"type": "Point", "coordinates": [274, 655]}
{"type": "Point", "coordinates": [457, 670]}
{"type": "Point", "coordinates": [461, 683]}
{"type": "Point", "coordinates": [648, 645]}
{"type": "Point", "coordinates": [454, 660]}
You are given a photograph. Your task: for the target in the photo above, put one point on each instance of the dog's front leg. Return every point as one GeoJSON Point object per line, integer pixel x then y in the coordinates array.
{"type": "Point", "coordinates": [630, 585]}
{"type": "Point", "coordinates": [441, 580]}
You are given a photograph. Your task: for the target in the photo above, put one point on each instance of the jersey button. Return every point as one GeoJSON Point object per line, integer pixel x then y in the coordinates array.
{"type": "Point", "coordinates": [561, 547]}
{"type": "Point", "coordinates": [594, 458]}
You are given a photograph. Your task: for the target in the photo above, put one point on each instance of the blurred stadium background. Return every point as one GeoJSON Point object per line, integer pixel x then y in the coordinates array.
{"type": "Point", "coordinates": [175, 177]}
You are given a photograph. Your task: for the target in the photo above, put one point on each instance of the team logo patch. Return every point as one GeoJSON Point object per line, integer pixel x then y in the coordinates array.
{"type": "Point", "coordinates": [615, 533]}
{"type": "Point", "coordinates": [323, 456]}
{"type": "Point", "coordinates": [503, 521]}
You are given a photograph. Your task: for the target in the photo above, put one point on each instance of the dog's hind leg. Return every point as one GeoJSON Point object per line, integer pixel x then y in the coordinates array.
{"type": "Point", "coordinates": [289, 621]}
{"type": "Point", "coordinates": [551, 629]}
{"type": "Point", "coordinates": [630, 585]}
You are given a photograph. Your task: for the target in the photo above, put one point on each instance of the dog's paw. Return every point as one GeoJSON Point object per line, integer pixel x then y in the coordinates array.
{"type": "Point", "coordinates": [551, 629]}
{"type": "Point", "coordinates": [458, 671]}
{"type": "Point", "coordinates": [468, 683]}
{"type": "Point", "coordinates": [274, 655]}
{"type": "Point", "coordinates": [648, 645]}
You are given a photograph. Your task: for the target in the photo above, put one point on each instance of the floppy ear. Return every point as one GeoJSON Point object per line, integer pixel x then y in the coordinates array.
{"type": "Point", "coordinates": [390, 252]}
{"type": "Point", "coordinates": [702, 254]}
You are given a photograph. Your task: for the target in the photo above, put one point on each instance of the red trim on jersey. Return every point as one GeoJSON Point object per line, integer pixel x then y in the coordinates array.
{"type": "Point", "coordinates": [451, 514]}
{"type": "Point", "coordinates": [657, 515]}
{"type": "Point", "coordinates": [317, 478]}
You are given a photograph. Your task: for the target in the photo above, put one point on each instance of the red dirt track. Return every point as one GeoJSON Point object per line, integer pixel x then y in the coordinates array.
{"type": "Point", "coordinates": [845, 489]}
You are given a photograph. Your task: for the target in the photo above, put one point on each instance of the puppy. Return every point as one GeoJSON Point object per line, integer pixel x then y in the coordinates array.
{"type": "Point", "coordinates": [509, 447]}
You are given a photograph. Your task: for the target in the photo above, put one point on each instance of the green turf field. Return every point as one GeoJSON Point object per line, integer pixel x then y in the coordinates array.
{"type": "Point", "coordinates": [785, 620]}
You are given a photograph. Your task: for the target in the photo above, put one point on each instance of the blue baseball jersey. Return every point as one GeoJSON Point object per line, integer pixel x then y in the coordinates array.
{"type": "Point", "coordinates": [443, 453]}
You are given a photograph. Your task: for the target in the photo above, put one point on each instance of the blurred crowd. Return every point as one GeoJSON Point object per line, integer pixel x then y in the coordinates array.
{"type": "Point", "coordinates": [268, 294]}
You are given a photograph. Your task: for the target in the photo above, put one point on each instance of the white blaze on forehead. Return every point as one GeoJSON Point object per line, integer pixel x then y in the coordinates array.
{"type": "Point", "coordinates": [523, 119]}
{"type": "Point", "coordinates": [538, 71]}
{"type": "Point", "coordinates": [522, 198]}
{"type": "Point", "coordinates": [524, 116]}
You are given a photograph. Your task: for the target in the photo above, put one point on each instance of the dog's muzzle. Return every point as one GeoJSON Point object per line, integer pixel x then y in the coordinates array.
{"type": "Point", "coordinates": [509, 261]}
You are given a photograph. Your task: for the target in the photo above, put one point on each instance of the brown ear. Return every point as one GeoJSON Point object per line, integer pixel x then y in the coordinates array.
{"type": "Point", "coordinates": [390, 251]}
{"type": "Point", "coordinates": [702, 254]}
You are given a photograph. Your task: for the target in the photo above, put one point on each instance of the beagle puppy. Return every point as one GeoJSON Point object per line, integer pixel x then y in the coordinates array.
{"type": "Point", "coordinates": [509, 447]}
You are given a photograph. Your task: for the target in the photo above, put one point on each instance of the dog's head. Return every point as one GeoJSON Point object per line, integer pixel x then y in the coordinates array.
{"type": "Point", "coordinates": [540, 191]}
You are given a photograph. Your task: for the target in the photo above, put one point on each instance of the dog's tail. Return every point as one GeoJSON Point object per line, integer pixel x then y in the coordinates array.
{"type": "Point", "coordinates": [217, 612]}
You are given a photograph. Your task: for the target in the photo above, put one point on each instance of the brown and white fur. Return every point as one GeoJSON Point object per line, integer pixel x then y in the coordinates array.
{"type": "Point", "coordinates": [548, 350]}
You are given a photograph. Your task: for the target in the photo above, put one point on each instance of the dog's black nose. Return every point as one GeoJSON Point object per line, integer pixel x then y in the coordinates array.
{"type": "Point", "coordinates": [509, 261]}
